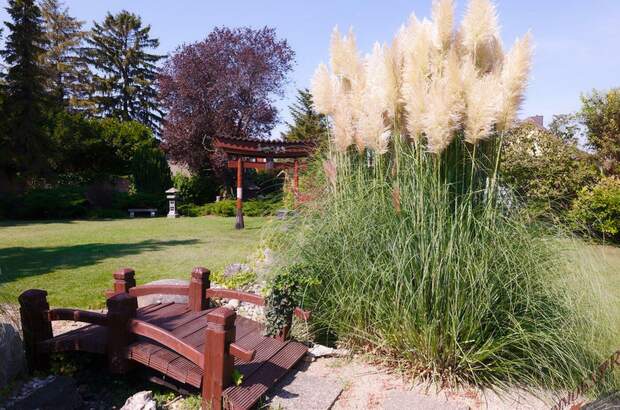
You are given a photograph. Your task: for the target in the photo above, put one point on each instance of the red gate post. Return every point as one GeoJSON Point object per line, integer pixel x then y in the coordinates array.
{"type": "Point", "coordinates": [124, 279]}
{"type": "Point", "coordinates": [197, 296]}
{"type": "Point", "coordinates": [296, 180]}
{"type": "Point", "coordinates": [121, 309]}
{"type": "Point", "coordinates": [218, 363]}
{"type": "Point", "coordinates": [239, 223]}
{"type": "Point", "coordinates": [35, 326]}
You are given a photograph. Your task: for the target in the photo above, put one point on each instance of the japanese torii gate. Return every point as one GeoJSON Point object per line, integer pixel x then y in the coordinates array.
{"type": "Point", "coordinates": [259, 154]}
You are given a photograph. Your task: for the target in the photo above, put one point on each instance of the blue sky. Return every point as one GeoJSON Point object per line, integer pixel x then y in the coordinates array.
{"type": "Point", "coordinates": [577, 41]}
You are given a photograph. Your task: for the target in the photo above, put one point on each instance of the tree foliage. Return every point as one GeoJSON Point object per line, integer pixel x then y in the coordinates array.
{"type": "Point", "coordinates": [600, 114]}
{"type": "Point", "coordinates": [150, 170]}
{"type": "Point", "coordinates": [67, 71]}
{"type": "Point", "coordinates": [124, 71]}
{"type": "Point", "coordinates": [223, 86]}
{"type": "Point", "coordinates": [26, 100]}
{"type": "Point", "coordinates": [543, 169]}
{"type": "Point", "coordinates": [95, 147]}
{"type": "Point", "coordinates": [308, 124]}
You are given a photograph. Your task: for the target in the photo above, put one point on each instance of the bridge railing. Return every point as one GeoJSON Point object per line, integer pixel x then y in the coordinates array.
{"type": "Point", "coordinates": [199, 293]}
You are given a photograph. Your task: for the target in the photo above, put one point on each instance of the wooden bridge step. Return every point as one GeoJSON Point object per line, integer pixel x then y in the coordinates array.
{"type": "Point", "coordinates": [251, 390]}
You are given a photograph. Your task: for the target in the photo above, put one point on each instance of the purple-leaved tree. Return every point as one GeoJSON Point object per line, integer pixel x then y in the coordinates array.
{"type": "Point", "coordinates": [222, 86]}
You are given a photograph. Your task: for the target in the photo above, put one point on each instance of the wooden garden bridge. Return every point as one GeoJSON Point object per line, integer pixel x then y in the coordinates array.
{"type": "Point", "coordinates": [192, 343]}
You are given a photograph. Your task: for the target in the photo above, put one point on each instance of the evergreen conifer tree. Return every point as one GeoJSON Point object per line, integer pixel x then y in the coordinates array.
{"type": "Point", "coordinates": [308, 125]}
{"type": "Point", "coordinates": [26, 101]}
{"type": "Point", "coordinates": [67, 70]}
{"type": "Point", "coordinates": [124, 69]}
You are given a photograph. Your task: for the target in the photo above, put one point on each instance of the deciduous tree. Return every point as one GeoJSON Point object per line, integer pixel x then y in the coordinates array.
{"type": "Point", "coordinates": [600, 114]}
{"type": "Point", "coordinates": [224, 86]}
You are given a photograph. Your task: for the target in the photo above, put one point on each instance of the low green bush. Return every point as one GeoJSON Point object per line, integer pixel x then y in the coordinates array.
{"type": "Point", "coordinates": [49, 203]}
{"type": "Point", "coordinates": [228, 207]}
{"type": "Point", "coordinates": [597, 210]}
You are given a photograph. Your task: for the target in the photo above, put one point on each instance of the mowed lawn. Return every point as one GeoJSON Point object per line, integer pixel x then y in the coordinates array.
{"type": "Point", "coordinates": [74, 260]}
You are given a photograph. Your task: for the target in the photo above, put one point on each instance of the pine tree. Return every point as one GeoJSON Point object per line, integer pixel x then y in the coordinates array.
{"type": "Point", "coordinates": [124, 70]}
{"type": "Point", "coordinates": [67, 71]}
{"type": "Point", "coordinates": [26, 101]}
{"type": "Point", "coordinates": [308, 125]}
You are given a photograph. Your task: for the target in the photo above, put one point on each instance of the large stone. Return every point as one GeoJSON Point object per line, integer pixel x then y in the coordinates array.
{"type": "Point", "coordinates": [234, 269]}
{"type": "Point", "coordinates": [140, 401]}
{"type": "Point", "coordinates": [12, 358]}
{"type": "Point", "coordinates": [609, 402]}
{"type": "Point", "coordinates": [300, 390]}
{"type": "Point", "coordinates": [158, 298]}
{"type": "Point", "coordinates": [51, 393]}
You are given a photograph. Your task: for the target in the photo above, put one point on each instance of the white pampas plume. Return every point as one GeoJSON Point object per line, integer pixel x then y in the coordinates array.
{"type": "Point", "coordinates": [482, 101]}
{"type": "Point", "coordinates": [381, 79]}
{"type": "Point", "coordinates": [343, 129]}
{"type": "Point", "coordinates": [514, 77]}
{"type": "Point", "coordinates": [322, 89]}
{"type": "Point", "coordinates": [344, 56]}
{"type": "Point", "coordinates": [417, 59]}
{"type": "Point", "coordinates": [445, 106]}
{"type": "Point", "coordinates": [480, 35]}
{"type": "Point", "coordinates": [336, 52]}
{"type": "Point", "coordinates": [443, 21]}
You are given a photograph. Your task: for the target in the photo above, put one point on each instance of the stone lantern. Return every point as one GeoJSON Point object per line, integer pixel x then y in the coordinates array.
{"type": "Point", "coordinates": [171, 194]}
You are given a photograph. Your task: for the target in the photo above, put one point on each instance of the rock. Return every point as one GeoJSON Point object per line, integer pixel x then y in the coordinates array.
{"type": "Point", "coordinates": [151, 299]}
{"type": "Point", "coordinates": [299, 390]}
{"type": "Point", "coordinates": [609, 402]}
{"type": "Point", "coordinates": [285, 213]}
{"type": "Point", "coordinates": [233, 304]}
{"type": "Point", "coordinates": [140, 401]}
{"type": "Point", "coordinates": [234, 269]}
{"type": "Point", "coordinates": [323, 351]}
{"type": "Point", "coordinates": [11, 354]}
{"type": "Point", "coordinates": [51, 393]}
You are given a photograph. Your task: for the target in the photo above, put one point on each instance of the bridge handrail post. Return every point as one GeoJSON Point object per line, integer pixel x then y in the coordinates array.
{"type": "Point", "coordinates": [121, 309]}
{"type": "Point", "coordinates": [124, 279]}
{"type": "Point", "coordinates": [197, 295]}
{"type": "Point", "coordinates": [36, 327]}
{"type": "Point", "coordinates": [218, 363]}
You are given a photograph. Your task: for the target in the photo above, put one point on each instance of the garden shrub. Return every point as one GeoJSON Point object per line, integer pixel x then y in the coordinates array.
{"type": "Point", "coordinates": [228, 207]}
{"type": "Point", "coordinates": [285, 293]}
{"type": "Point", "coordinates": [195, 189]}
{"type": "Point", "coordinates": [544, 171]}
{"type": "Point", "coordinates": [63, 202]}
{"type": "Point", "coordinates": [597, 210]}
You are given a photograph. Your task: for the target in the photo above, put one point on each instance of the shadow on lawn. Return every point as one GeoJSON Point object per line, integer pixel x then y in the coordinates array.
{"type": "Point", "coordinates": [19, 262]}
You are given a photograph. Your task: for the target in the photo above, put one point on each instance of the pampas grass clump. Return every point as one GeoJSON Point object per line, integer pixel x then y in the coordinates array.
{"type": "Point", "coordinates": [418, 252]}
